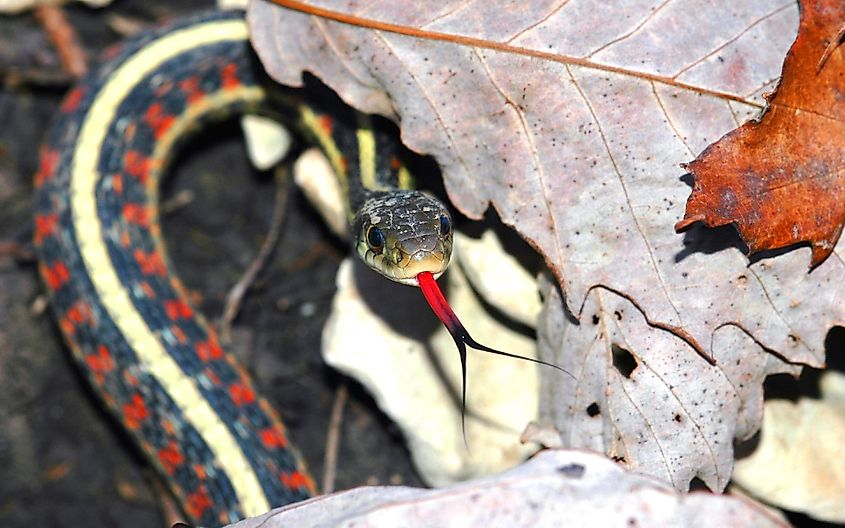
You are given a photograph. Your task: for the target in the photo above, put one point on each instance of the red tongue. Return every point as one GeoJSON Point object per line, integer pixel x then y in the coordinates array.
{"type": "Point", "coordinates": [459, 333]}
{"type": "Point", "coordinates": [439, 304]}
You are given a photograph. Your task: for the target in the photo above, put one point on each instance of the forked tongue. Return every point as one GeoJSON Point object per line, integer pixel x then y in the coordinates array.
{"type": "Point", "coordinates": [440, 306]}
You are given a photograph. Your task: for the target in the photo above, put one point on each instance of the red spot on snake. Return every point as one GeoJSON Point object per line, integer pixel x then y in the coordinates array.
{"type": "Point", "coordinates": [72, 100]}
{"type": "Point", "coordinates": [129, 131]}
{"type": "Point", "coordinates": [295, 480]}
{"type": "Point", "coordinates": [117, 183]}
{"type": "Point", "coordinates": [229, 76]}
{"type": "Point", "coordinates": [56, 275]}
{"type": "Point", "coordinates": [130, 379]}
{"type": "Point", "coordinates": [148, 290]}
{"type": "Point", "coordinates": [326, 123]}
{"type": "Point", "coordinates": [200, 471]}
{"type": "Point", "coordinates": [178, 309]}
{"type": "Point", "coordinates": [100, 363]}
{"type": "Point", "coordinates": [167, 425]}
{"type": "Point", "coordinates": [179, 334]}
{"type": "Point", "coordinates": [241, 394]}
{"type": "Point", "coordinates": [79, 313]}
{"type": "Point", "coordinates": [135, 412]}
{"type": "Point", "coordinates": [46, 165]}
{"type": "Point", "coordinates": [198, 502]}
{"type": "Point", "coordinates": [136, 214]}
{"type": "Point", "coordinates": [137, 165]}
{"type": "Point", "coordinates": [208, 350]}
{"type": "Point", "coordinates": [171, 457]}
{"type": "Point", "coordinates": [212, 377]}
{"type": "Point", "coordinates": [191, 87]}
{"type": "Point", "coordinates": [163, 89]}
{"type": "Point", "coordinates": [45, 226]}
{"type": "Point", "coordinates": [273, 438]}
{"type": "Point", "coordinates": [151, 263]}
{"type": "Point", "coordinates": [158, 120]}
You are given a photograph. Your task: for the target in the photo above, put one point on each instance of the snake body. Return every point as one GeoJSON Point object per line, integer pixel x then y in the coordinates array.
{"type": "Point", "coordinates": [152, 358]}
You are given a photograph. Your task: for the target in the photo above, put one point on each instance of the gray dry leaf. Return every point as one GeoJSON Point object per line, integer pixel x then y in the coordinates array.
{"type": "Point", "coordinates": [570, 118]}
{"type": "Point", "coordinates": [583, 487]}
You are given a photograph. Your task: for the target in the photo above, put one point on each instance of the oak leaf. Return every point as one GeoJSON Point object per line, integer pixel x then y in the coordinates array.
{"type": "Point", "coordinates": [570, 120]}
{"type": "Point", "coordinates": [780, 178]}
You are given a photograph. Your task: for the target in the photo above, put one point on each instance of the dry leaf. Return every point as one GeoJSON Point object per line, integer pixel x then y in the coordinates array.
{"type": "Point", "coordinates": [795, 465]}
{"type": "Point", "coordinates": [405, 365]}
{"type": "Point", "coordinates": [780, 179]}
{"type": "Point", "coordinates": [570, 119]}
{"type": "Point", "coordinates": [485, 262]}
{"type": "Point", "coordinates": [555, 486]}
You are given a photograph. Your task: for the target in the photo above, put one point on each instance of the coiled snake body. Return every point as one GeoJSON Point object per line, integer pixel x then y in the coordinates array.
{"type": "Point", "coordinates": [154, 361]}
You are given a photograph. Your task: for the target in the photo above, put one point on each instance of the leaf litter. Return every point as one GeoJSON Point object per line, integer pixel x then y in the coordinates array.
{"type": "Point", "coordinates": [571, 122]}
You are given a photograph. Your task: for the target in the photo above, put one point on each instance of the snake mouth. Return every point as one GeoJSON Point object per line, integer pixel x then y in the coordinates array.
{"type": "Point", "coordinates": [407, 269]}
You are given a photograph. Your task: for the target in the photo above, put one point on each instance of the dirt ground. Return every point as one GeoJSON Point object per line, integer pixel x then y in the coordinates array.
{"type": "Point", "coordinates": [63, 461]}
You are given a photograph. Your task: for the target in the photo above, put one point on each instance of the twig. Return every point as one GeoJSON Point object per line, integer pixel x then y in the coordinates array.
{"type": "Point", "coordinates": [166, 503]}
{"type": "Point", "coordinates": [36, 77]}
{"type": "Point", "coordinates": [178, 201]}
{"type": "Point", "coordinates": [313, 254]}
{"type": "Point", "coordinates": [238, 291]}
{"type": "Point", "coordinates": [333, 439]}
{"type": "Point", "coordinates": [63, 36]}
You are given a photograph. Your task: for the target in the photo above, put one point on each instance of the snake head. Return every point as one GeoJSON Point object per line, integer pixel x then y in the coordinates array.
{"type": "Point", "coordinates": [401, 234]}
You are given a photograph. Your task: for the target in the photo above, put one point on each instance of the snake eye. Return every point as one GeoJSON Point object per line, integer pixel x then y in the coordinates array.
{"type": "Point", "coordinates": [445, 225]}
{"type": "Point", "coordinates": [375, 239]}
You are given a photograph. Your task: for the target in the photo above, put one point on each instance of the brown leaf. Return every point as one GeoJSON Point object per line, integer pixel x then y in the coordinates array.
{"type": "Point", "coordinates": [780, 179]}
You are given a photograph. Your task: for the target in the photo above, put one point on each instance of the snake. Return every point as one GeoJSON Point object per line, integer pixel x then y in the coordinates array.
{"type": "Point", "coordinates": [152, 358]}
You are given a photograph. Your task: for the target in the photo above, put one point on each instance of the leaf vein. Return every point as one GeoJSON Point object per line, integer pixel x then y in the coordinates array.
{"type": "Point", "coordinates": [447, 13]}
{"type": "Point", "coordinates": [549, 15]}
{"type": "Point", "coordinates": [321, 27]}
{"type": "Point", "coordinates": [666, 465]}
{"type": "Point", "coordinates": [636, 28]}
{"type": "Point", "coordinates": [568, 60]}
{"type": "Point", "coordinates": [732, 40]}
{"type": "Point", "coordinates": [772, 303]}
{"type": "Point", "coordinates": [636, 220]}
{"type": "Point", "coordinates": [532, 148]}
{"type": "Point", "coordinates": [452, 144]}
{"type": "Point", "coordinates": [669, 120]}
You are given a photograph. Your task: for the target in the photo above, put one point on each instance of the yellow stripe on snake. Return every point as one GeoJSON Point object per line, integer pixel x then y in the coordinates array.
{"type": "Point", "coordinates": [155, 362]}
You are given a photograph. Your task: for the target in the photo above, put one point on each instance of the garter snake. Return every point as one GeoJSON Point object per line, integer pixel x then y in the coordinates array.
{"type": "Point", "coordinates": [155, 362]}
